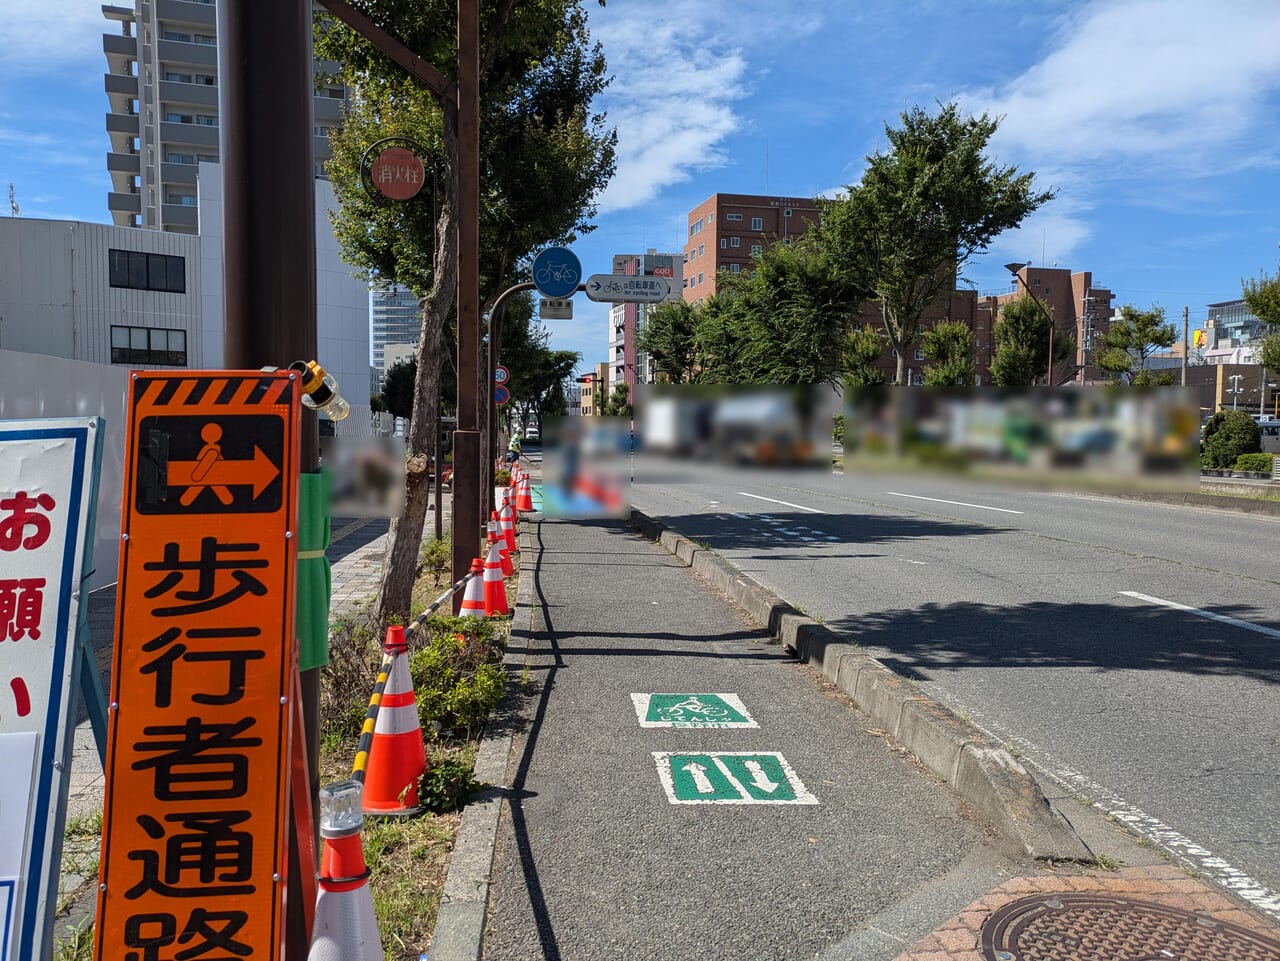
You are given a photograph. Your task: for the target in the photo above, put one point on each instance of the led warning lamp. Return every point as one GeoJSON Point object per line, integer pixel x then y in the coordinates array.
{"type": "Point", "coordinates": [340, 808]}
{"type": "Point", "coordinates": [320, 390]}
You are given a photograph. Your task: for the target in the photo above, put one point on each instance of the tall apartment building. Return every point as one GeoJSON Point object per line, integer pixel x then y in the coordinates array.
{"type": "Point", "coordinates": [627, 365]}
{"type": "Point", "coordinates": [394, 321]}
{"type": "Point", "coordinates": [727, 230]}
{"type": "Point", "coordinates": [162, 87]}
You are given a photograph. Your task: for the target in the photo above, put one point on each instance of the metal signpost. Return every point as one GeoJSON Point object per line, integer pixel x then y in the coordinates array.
{"type": "Point", "coordinates": [203, 694]}
{"type": "Point", "coordinates": [619, 289]}
{"type": "Point", "coordinates": [48, 494]}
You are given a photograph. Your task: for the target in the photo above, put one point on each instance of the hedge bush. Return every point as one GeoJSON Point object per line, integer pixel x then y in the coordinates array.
{"type": "Point", "coordinates": [457, 676]}
{"type": "Point", "coordinates": [1229, 434]}
{"type": "Point", "coordinates": [1256, 462]}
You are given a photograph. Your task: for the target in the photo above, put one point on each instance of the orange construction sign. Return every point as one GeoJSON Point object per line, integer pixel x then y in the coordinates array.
{"type": "Point", "coordinates": [195, 830]}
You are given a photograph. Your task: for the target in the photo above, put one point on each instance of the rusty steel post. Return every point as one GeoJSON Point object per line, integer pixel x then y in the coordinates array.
{"type": "Point", "coordinates": [467, 520]}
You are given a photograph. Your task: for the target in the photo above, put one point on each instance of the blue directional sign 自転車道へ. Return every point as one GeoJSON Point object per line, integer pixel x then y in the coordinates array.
{"type": "Point", "coordinates": [556, 272]}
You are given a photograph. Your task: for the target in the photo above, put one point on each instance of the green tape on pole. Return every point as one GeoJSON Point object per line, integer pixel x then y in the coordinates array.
{"type": "Point", "coordinates": [314, 577]}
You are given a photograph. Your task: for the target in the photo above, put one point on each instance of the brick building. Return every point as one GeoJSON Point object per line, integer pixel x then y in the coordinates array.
{"type": "Point", "coordinates": [727, 230]}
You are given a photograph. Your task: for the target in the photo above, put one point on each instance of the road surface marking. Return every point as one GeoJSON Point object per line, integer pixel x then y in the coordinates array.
{"type": "Point", "coordinates": [691, 710]}
{"type": "Point", "coordinates": [729, 777]}
{"type": "Point", "coordinates": [1198, 612]}
{"type": "Point", "coordinates": [981, 507]}
{"type": "Point", "coordinates": [771, 500]}
{"type": "Point", "coordinates": [1178, 845]}
{"type": "Point", "coordinates": [910, 561]}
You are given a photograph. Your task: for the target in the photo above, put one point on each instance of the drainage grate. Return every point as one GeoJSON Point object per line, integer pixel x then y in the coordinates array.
{"type": "Point", "coordinates": [1099, 927]}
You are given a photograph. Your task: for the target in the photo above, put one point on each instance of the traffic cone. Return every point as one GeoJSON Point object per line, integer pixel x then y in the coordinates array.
{"type": "Point", "coordinates": [345, 927]}
{"type": "Point", "coordinates": [524, 499]}
{"type": "Point", "coordinates": [397, 754]}
{"type": "Point", "coordinates": [473, 597]}
{"type": "Point", "coordinates": [504, 553]}
{"type": "Point", "coordinates": [495, 589]}
{"type": "Point", "coordinates": [508, 518]}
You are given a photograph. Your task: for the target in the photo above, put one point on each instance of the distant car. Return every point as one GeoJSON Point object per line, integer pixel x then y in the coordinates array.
{"type": "Point", "coordinates": [532, 434]}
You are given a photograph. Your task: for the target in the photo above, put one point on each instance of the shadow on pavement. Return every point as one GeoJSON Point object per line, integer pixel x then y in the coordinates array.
{"type": "Point", "coordinates": [955, 636]}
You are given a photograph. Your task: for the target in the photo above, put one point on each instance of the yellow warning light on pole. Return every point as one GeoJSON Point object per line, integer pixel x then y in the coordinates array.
{"type": "Point", "coordinates": [320, 390]}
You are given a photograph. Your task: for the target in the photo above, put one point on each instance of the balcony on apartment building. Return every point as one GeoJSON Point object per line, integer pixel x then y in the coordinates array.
{"type": "Point", "coordinates": [124, 202]}
{"type": "Point", "coordinates": [180, 216]}
{"type": "Point", "coordinates": [122, 91]}
{"type": "Point", "coordinates": [175, 52]}
{"type": "Point", "coordinates": [120, 51]}
{"type": "Point", "coordinates": [197, 12]}
{"type": "Point", "coordinates": [124, 169]}
{"type": "Point", "coordinates": [195, 134]}
{"type": "Point", "coordinates": [192, 94]}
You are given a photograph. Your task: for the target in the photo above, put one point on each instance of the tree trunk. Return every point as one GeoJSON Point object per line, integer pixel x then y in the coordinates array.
{"type": "Point", "coordinates": [404, 540]}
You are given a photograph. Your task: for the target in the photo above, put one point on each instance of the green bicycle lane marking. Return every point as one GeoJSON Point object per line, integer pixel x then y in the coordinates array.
{"type": "Point", "coordinates": [692, 710]}
{"type": "Point", "coordinates": [730, 777]}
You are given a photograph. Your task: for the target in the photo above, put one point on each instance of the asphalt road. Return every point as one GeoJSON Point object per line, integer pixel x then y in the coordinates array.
{"type": "Point", "coordinates": [1050, 619]}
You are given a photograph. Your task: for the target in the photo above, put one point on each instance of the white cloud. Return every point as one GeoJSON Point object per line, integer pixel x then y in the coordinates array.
{"type": "Point", "coordinates": [48, 34]}
{"type": "Point", "coordinates": [1170, 83]}
{"type": "Point", "coordinates": [675, 81]}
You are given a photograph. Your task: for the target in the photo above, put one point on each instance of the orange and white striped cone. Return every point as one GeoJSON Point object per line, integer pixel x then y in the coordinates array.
{"type": "Point", "coordinates": [345, 927]}
{"type": "Point", "coordinates": [508, 518]}
{"type": "Point", "coordinates": [398, 754]}
{"type": "Point", "coordinates": [524, 499]}
{"type": "Point", "coordinates": [495, 589]}
{"type": "Point", "coordinates": [496, 534]}
{"type": "Point", "coordinates": [473, 596]}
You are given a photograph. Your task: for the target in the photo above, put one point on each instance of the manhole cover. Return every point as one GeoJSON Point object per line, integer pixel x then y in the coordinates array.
{"type": "Point", "coordinates": [1095, 927]}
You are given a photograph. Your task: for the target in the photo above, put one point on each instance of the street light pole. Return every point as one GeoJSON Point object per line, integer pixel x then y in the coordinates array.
{"type": "Point", "coordinates": [1235, 389]}
{"type": "Point", "coordinates": [1016, 270]}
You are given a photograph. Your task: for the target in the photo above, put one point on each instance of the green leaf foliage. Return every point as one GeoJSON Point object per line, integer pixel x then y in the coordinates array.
{"type": "Point", "coordinates": [921, 211]}
{"type": "Point", "coordinates": [1262, 296]}
{"type": "Point", "coordinates": [949, 348]}
{"type": "Point", "coordinates": [669, 338]}
{"type": "Point", "coordinates": [457, 676]}
{"type": "Point", "coordinates": [1130, 341]}
{"type": "Point", "coordinates": [1227, 435]}
{"type": "Point", "coordinates": [1022, 344]}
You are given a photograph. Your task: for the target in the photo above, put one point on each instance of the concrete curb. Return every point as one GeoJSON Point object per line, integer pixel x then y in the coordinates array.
{"type": "Point", "coordinates": [1223, 501]}
{"type": "Point", "coordinates": [464, 901]}
{"type": "Point", "coordinates": [981, 772]}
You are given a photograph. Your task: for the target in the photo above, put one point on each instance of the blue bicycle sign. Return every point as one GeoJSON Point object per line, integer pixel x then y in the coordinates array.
{"type": "Point", "coordinates": [556, 272]}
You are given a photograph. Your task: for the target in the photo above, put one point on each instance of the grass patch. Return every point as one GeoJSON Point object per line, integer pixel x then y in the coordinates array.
{"type": "Point", "coordinates": [1107, 863]}
{"type": "Point", "coordinates": [84, 826]}
{"type": "Point", "coordinates": [407, 861]}
{"type": "Point", "coordinates": [77, 947]}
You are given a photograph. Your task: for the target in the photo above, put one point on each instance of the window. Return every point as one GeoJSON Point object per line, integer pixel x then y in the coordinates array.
{"type": "Point", "coordinates": [735, 241]}
{"type": "Point", "coordinates": [208, 39]}
{"type": "Point", "coordinates": [175, 35]}
{"type": "Point", "coordinates": [322, 130]}
{"type": "Point", "coordinates": [757, 223]}
{"type": "Point", "coordinates": [142, 271]}
{"type": "Point", "coordinates": [756, 250]}
{"type": "Point", "coordinates": [723, 243]}
{"type": "Point", "coordinates": [1037, 283]}
{"type": "Point", "coordinates": [148, 345]}
{"type": "Point", "coordinates": [786, 241]}
{"type": "Point", "coordinates": [702, 250]}
{"type": "Point", "coordinates": [173, 157]}
{"type": "Point", "coordinates": [695, 227]}
{"type": "Point", "coordinates": [920, 354]}
{"type": "Point", "coordinates": [185, 200]}
{"type": "Point", "coordinates": [207, 120]}
{"type": "Point", "coordinates": [700, 277]}
{"type": "Point", "coordinates": [733, 216]}
{"type": "Point", "coordinates": [179, 118]}
{"type": "Point", "coordinates": [786, 212]}
{"type": "Point", "coordinates": [734, 268]}
{"type": "Point", "coordinates": [179, 77]}
{"type": "Point", "coordinates": [335, 93]}
{"type": "Point", "coordinates": [711, 216]}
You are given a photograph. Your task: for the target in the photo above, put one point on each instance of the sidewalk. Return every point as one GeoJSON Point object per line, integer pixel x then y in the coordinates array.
{"type": "Point", "coordinates": [355, 553]}
{"type": "Point", "coordinates": [780, 822]}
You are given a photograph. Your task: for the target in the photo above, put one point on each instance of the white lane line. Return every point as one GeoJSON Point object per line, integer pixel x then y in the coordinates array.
{"type": "Point", "coordinates": [799, 507]}
{"type": "Point", "coordinates": [1198, 612]}
{"type": "Point", "coordinates": [981, 507]}
{"type": "Point", "coordinates": [1178, 845]}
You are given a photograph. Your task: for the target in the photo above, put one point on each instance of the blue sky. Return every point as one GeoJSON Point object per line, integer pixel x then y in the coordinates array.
{"type": "Point", "coordinates": [1156, 120]}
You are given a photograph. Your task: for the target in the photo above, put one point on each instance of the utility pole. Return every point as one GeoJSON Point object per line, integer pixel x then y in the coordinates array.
{"type": "Point", "coordinates": [1186, 344]}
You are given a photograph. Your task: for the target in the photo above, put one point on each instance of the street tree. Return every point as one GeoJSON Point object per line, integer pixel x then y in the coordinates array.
{"type": "Point", "coordinates": [862, 353]}
{"type": "Point", "coordinates": [795, 317]}
{"type": "Point", "coordinates": [1131, 340]}
{"type": "Point", "coordinates": [949, 349]}
{"type": "Point", "coordinates": [544, 158]}
{"type": "Point", "coordinates": [719, 339]}
{"type": "Point", "coordinates": [1022, 344]}
{"type": "Point", "coordinates": [617, 404]}
{"type": "Point", "coordinates": [397, 387]}
{"type": "Point", "coordinates": [669, 338]}
{"type": "Point", "coordinates": [922, 210]}
{"type": "Point", "coordinates": [1262, 296]}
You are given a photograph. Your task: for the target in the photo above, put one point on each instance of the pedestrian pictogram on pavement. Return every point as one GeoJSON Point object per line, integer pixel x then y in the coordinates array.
{"type": "Point", "coordinates": [691, 710]}
{"type": "Point", "coordinates": [194, 820]}
{"type": "Point", "coordinates": [730, 777]}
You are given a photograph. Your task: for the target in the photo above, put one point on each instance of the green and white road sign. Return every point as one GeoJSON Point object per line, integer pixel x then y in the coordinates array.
{"type": "Point", "coordinates": [691, 710]}
{"type": "Point", "coordinates": [730, 777]}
